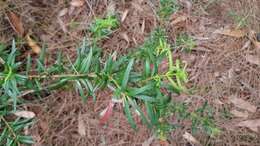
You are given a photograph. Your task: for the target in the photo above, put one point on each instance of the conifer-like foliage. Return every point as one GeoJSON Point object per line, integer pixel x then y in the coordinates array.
{"type": "Point", "coordinates": [135, 80]}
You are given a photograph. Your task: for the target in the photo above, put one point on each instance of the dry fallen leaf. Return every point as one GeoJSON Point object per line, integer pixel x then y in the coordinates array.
{"type": "Point", "coordinates": [111, 8]}
{"type": "Point", "coordinates": [63, 25]}
{"type": "Point", "coordinates": [137, 6]}
{"type": "Point", "coordinates": [240, 103]}
{"type": "Point", "coordinates": [164, 143]}
{"type": "Point", "coordinates": [179, 19]}
{"type": "Point", "coordinates": [246, 45]}
{"type": "Point", "coordinates": [237, 33]}
{"type": "Point", "coordinates": [191, 139]}
{"type": "Point", "coordinates": [81, 126]}
{"type": "Point", "coordinates": [148, 141]}
{"type": "Point", "coordinates": [35, 48]}
{"type": "Point", "coordinates": [25, 114]}
{"type": "Point", "coordinates": [126, 38]}
{"type": "Point", "coordinates": [239, 114]}
{"type": "Point", "coordinates": [251, 124]}
{"type": "Point", "coordinates": [16, 23]}
{"type": "Point", "coordinates": [253, 38]}
{"type": "Point", "coordinates": [77, 3]}
{"type": "Point", "coordinates": [63, 12]}
{"type": "Point", "coordinates": [124, 15]}
{"type": "Point", "coordinates": [218, 102]}
{"type": "Point", "coordinates": [257, 45]}
{"type": "Point", "coordinates": [44, 126]}
{"type": "Point", "coordinates": [188, 4]}
{"type": "Point", "coordinates": [253, 59]}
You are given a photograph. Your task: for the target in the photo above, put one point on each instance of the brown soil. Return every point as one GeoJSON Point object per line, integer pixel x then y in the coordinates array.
{"type": "Point", "coordinates": [218, 67]}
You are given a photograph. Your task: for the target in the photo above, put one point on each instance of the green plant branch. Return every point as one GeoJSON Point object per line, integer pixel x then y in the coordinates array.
{"type": "Point", "coordinates": [130, 84]}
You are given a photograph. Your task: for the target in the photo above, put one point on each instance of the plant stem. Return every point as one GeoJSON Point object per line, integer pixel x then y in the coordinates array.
{"type": "Point", "coordinates": [62, 76]}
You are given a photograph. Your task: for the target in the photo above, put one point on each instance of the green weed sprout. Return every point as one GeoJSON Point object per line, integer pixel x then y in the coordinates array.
{"type": "Point", "coordinates": [241, 21]}
{"type": "Point", "coordinates": [185, 42]}
{"type": "Point", "coordinates": [167, 8]}
{"type": "Point", "coordinates": [101, 28]}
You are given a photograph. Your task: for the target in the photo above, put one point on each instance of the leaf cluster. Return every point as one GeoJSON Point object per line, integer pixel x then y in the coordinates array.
{"type": "Point", "coordinates": [167, 8]}
{"type": "Point", "coordinates": [185, 42]}
{"type": "Point", "coordinates": [11, 84]}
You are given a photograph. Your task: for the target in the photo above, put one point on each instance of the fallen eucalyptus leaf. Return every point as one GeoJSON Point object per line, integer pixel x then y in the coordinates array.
{"type": "Point", "coordinates": [237, 33]}
{"type": "Point", "coordinates": [77, 3]}
{"type": "Point", "coordinates": [179, 19]}
{"type": "Point", "coordinates": [16, 23]}
{"type": "Point", "coordinates": [63, 12]}
{"type": "Point", "coordinates": [251, 124]}
{"type": "Point", "coordinates": [35, 48]}
{"type": "Point", "coordinates": [191, 139]}
{"type": "Point", "coordinates": [124, 15]}
{"type": "Point", "coordinates": [253, 59]}
{"type": "Point", "coordinates": [239, 114]}
{"type": "Point", "coordinates": [240, 103]}
{"type": "Point", "coordinates": [25, 114]}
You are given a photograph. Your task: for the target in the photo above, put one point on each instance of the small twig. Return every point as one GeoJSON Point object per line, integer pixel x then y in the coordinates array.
{"type": "Point", "coordinates": [90, 7]}
{"type": "Point", "coordinates": [26, 93]}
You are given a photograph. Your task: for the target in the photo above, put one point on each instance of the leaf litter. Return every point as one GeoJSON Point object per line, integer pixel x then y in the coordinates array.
{"type": "Point", "coordinates": [240, 103]}
{"type": "Point", "coordinates": [212, 46]}
{"type": "Point", "coordinates": [253, 125]}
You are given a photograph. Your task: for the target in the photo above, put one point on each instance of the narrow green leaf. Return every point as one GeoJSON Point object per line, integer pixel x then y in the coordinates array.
{"type": "Point", "coordinates": [59, 58]}
{"type": "Point", "coordinates": [28, 64]}
{"type": "Point", "coordinates": [42, 54]}
{"type": "Point", "coordinates": [83, 46]}
{"type": "Point", "coordinates": [145, 98]}
{"type": "Point", "coordinates": [81, 91]}
{"type": "Point", "coordinates": [87, 62]}
{"type": "Point", "coordinates": [119, 62]}
{"type": "Point", "coordinates": [10, 142]}
{"type": "Point", "coordinates": [147, 68]}
{"type": "Point", "coordinates": [127, 74]}
{"type": "Point", "coordinates": [150, 113]}
{"type": "Point", "coordinates": [174, 85]}
{"type": "Point", "coordinates": [11, 56]}
{"type": "Point", "coordinates": [129, 115]}
{"type": "Point", "coordinates": [40, 66]}
{"type": "Point", "coordinates": [138, 109]}
{"type": "Point", "coordinates": [3, 135]}
{"type": "Point", "coordinates": [108, 65]}
{"type": "Point", "coordinates": [25, 139]}
{"type": "Point", "coordinates": [91, 89]}
{"type": "Point", "coordinates": [82, 66]}
{"type": "Point", "coordinates": [88, 86]}
{"type": "Point", "coordinates": [141, 90]}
